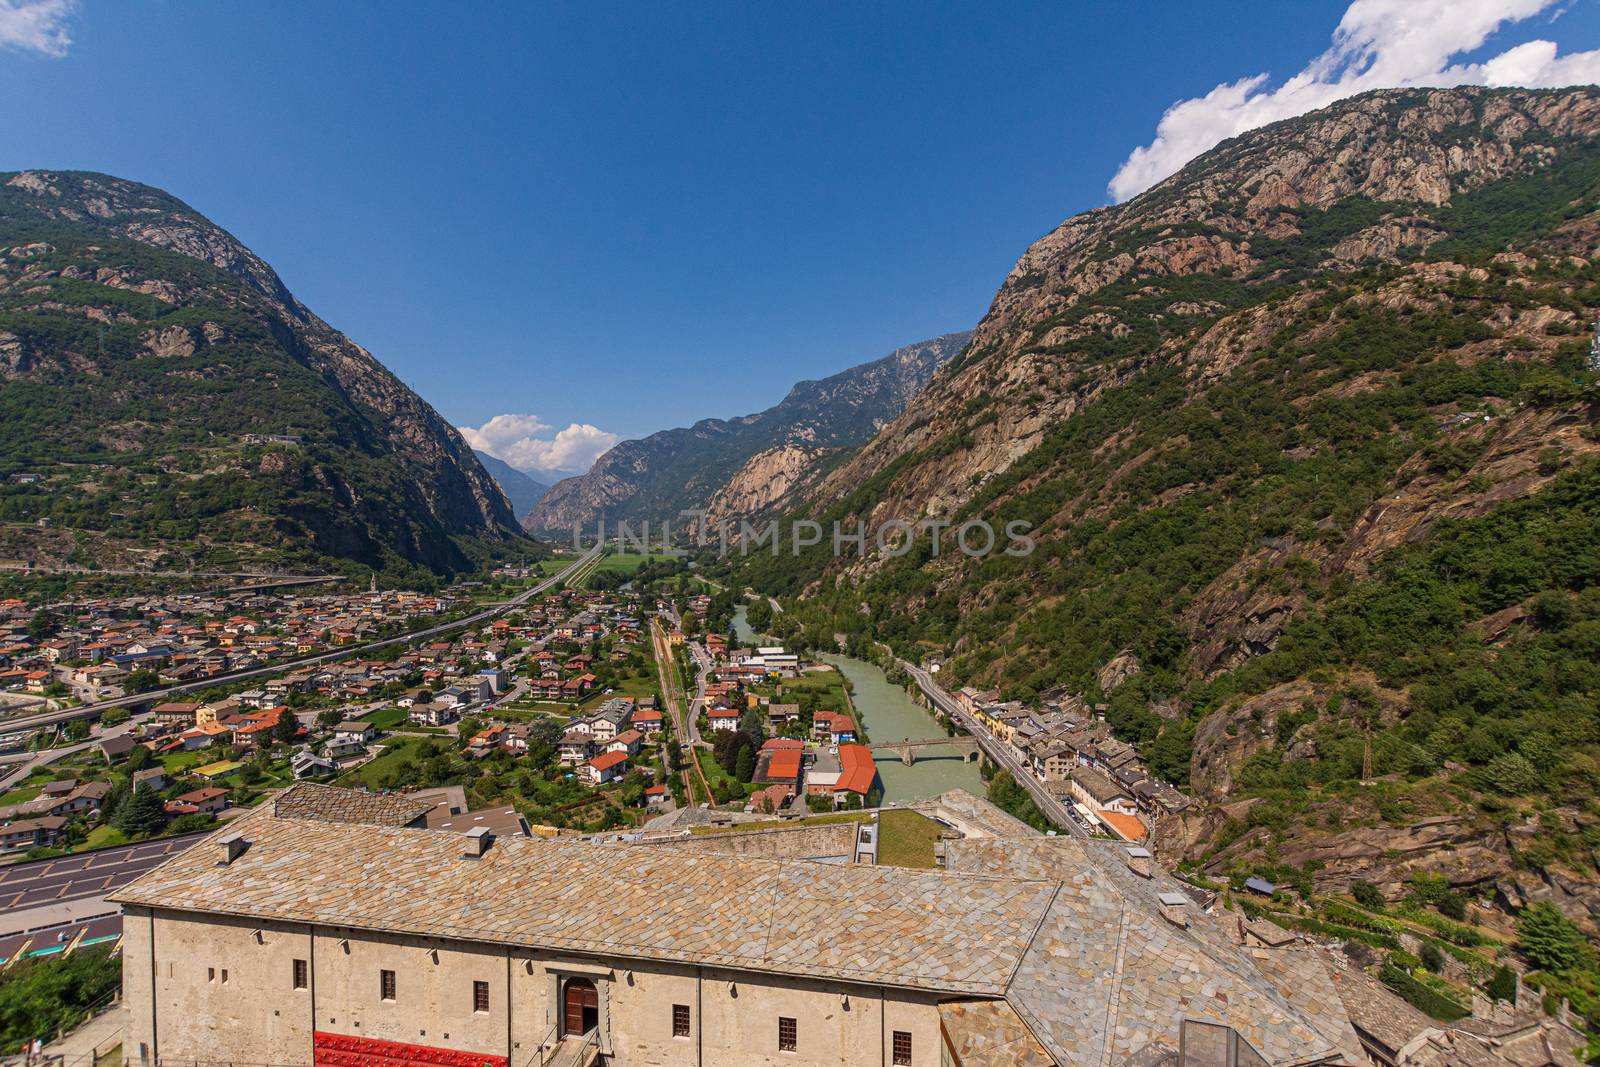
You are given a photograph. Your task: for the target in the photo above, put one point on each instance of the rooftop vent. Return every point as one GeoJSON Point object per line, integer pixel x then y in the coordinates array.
{"type": "Point", "coordinates": [1174, 908]}
{"type": "Point", "coordinates": [1140, 862]}
{"type": "Point", "coordinates": [233, 846]}
{"type": "Point", "coordinates": [478, 839]}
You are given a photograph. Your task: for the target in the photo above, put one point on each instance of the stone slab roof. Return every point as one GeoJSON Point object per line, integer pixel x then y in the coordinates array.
{"type": "Point", "coordinates": [307, 800]}
{"type": "Point", "coordinates": [914, 929]}
{"type": "Point", "coordinates": [988, 1033]}
{"type": "Point", "coordinates": [1107, 977]}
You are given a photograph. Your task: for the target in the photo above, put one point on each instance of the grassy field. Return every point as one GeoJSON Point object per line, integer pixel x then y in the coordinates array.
{"type": "Point", "coordinates": [370, 773]}
{"type": "Point", "coordinates": [26, 791]}
{"type": "Point", "coordinates": [630, 562]}
{"type": "Point", "coordinates": [906, 839]}
{"type": "Point", "coordinates": [388, 718]}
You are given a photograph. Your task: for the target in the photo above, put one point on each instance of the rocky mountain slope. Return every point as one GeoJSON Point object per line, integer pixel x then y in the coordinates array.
{"type": "Point", "coordinates": [658, 476]}
{"type": "Point", "coordinates": [521, 490]}
{"type": "Point", "coordinates": [1308, 434]}
{"type": "Point", "coordinates": [168, 400]}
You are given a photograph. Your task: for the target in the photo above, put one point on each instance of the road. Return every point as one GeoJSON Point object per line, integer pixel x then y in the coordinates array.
{"type": "Point", "coordinates": [702, 664]}
{"type": "Point", "coordinates": [89, 711]}
{"type": "Point", "coordinates": [998, 751]}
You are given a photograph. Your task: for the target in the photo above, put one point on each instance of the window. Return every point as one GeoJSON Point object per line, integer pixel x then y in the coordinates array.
{"type": "Point", "coordinates": [386, 985]}
{"type": "Point", "coordinates": [224, 976]}
{"type": "Point", "coordinates": [480, 996]}
{"type": "Point", "coordinates": [680, 1020]}
{"type": "Point", "coordinates": [301, 975]}
{"type": "Point", "coordinates": [211, 974]}
{"type": "Point", "coordinates": [902, 1047]}
{"type": "Point", "coordinates": [788, 1034]}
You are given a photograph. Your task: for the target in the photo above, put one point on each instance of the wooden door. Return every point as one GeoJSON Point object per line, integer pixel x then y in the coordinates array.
{"type": "Point", "coordinates": [581, 1007]}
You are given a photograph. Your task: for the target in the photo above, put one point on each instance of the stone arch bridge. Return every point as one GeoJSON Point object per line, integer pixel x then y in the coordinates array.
{"type": "Point", "coordinates": [908, 751]}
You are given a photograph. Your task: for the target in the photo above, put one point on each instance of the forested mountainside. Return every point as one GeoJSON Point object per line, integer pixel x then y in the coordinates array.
{"type": "Point", "coordinates": [521, 490]}
{"type": "Point", "coordinates": [656, 477]}
{"type": "Point", "coordinates": [167, 402]}
{"type": "Point", "coordinates": [1309, 431]}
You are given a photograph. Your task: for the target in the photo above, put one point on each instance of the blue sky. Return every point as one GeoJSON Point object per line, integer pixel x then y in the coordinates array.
{"type": "Point", "coordinates": [628, 217]}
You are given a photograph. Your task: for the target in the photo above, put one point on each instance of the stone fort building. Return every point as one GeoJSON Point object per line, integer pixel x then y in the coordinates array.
{"type": "Point", "coordinates": [327, 927]}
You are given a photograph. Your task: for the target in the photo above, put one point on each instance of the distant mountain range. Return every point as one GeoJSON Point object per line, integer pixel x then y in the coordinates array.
{"type": "Point", "coordinates": [167, 402]}
{"type": "Point", "coordinates": [523, 490]}
{"type": "Point", "coordinates": [657, 477]}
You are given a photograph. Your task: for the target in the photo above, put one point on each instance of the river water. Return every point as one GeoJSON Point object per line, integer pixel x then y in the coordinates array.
{"type": "Point", "coordinates": [889, 714]}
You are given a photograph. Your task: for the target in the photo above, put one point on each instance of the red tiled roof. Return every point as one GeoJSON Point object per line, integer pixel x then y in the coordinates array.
{"type": "Point", "coordinates": [857, 771]}
{"type": "Point", "coordinates": [607, 760]}
{"type": "Point", "coordinates": [1128, 827]}
{"type": "Point", "coordinates": [785, 764]}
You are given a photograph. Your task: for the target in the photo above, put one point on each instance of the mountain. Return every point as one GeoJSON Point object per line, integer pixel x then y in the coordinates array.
{"type": "Point", "coordinates": [1307, 437]}
{"type": "Point", "coordinates": [658, 476]}
{"type": "Point", "coordinates": [522, 490]}
{"type": "Point", "coordinates": [168, 402]}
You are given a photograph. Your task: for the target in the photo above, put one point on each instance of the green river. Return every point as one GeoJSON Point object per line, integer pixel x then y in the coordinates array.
{"type": "Point", "coordinates": [888, 714]}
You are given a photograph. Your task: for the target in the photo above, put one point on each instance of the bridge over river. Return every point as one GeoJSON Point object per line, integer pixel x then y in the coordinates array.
{"type": "Point", "coordinates": [908, 751]}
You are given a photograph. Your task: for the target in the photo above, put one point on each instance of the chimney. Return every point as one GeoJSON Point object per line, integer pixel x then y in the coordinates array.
{"type": "Point", "coordinates": [233, 846]}
{"type": "Point", "coordinates": [478, 840]}
{"type": "Point", "coordinates": [1140, 862]}
{"type": "Point", "coordinates": [1174, 908]}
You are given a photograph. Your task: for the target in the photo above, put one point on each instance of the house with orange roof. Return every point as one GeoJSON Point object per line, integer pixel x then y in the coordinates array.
{"type": "Point", "coordinates": [606, 767]}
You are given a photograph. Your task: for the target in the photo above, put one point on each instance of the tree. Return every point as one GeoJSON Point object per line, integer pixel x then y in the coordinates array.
{"type": "Point", "coordinates": [43, 626]}
{"type": "Point", "coordinates": [1432, 958]}
{"type": "Point", "coordinates": [78, 730]}
{"type": "Point", "coordinates": [328, 719]}
{"type": "Point", "coordinates": [284, 728]}
{"type": "Point", "coordinates": [142, 681]}
{"type": "Point", "coordinates": [745, 766]}
{"type": "Point", "coordinates": [1548, 938]}
{"type": "Point", "coordinates": [139, 758]}
{"type": "Point", "coordinates": [142, 815]}
{"type": "Point", "coordinates": [115, 716]}
{"type": "Point", "coordinates": [1503, 986]}
{"type": "Point", "coordinates": [752, 723]}
{"type": "Point", "coordinates": [1367, 895]}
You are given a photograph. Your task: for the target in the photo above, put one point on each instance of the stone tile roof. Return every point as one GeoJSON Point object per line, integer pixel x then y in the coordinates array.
{"type": "Point", "coordinates": [974, 816]}
{"type": "Point", "coordinates": [307, 800]}
{"type": "Point", "coordinates": [914, 929]}
{"type": "Point", "coordinates": [1106, 977]}
{"type": "Point", "coordinates": [988, 1033]}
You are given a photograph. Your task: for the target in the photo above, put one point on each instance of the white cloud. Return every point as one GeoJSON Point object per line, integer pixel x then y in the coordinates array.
{"type": "Point", "coordinates": [1379, 44]}
{"type": "Point", "coordinates": [36, 25]}
{"type": "Point", "coordinates": [520, 441]}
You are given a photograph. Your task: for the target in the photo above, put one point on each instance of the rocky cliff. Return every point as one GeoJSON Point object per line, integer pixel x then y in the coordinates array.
{"type": "Point", "coordinates": [521, 490]}
{"type": "Point", "coordinates": [658, 476]}
{"type": "Point", "coordinates": [1309, 430]}
{"type": "Point", "coordinates": [163, 386]}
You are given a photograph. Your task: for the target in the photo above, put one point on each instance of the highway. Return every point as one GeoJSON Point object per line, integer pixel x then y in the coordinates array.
{"type": "Point", "coordinates": [89, 711]}
{"type": "Point", "coordinates": [998, 751]}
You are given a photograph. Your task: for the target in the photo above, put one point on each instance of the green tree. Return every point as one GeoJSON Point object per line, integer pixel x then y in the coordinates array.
{"type": "Point", "coordinates": [1548, 938]}
{"type": "Point", "coordinates": [142, 681]}
{"type": "Point", "coordinates": [43, 626]}
{"type": "Point", "coordinates": [1367, 895]}
{"type": "Point", "coordinates": [140, 757]}
{"type": "Point", "coordinates": [1503, 986]}
{"type": "Point", "coordinates": [284, 729]}
{"type": "Point", "coordinates": [745, 767]}
{"type": "Point", "coordinates": [143, 814]}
